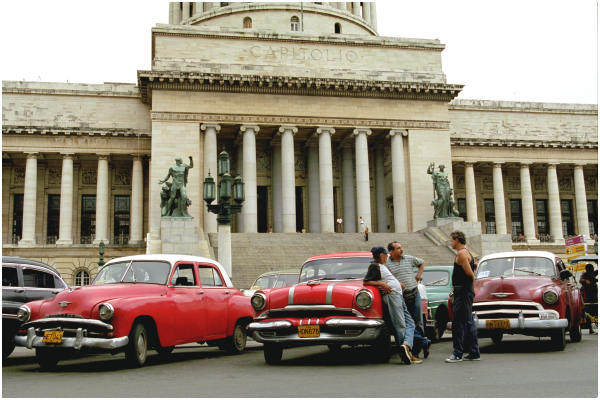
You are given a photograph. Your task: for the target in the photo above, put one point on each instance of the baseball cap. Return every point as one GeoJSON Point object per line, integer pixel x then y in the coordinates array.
{"type": "Point", "coordinates": [377, 250]}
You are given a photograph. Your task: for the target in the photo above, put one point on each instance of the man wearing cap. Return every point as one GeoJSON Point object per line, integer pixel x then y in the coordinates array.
{"type": "Point", "coordinates": [379, 276]}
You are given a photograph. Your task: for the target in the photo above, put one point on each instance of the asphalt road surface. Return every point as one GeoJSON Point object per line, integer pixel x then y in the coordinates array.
{"type": "Point", "coordinates": [521, 367]}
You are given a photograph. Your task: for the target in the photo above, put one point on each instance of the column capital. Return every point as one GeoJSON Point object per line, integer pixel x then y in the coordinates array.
{"type": "Point", "coordinates": [67, 155]}
{"type": "Point", "coordinates": [552, 165]}
{"type": "Point", "coordinates": [33, 154]}
{"type": "Point", "coordinates": [288, 128]}
{"type": "Point", "coordinates": [103, 156]}
{"type": "Point", "coordinates": [252, 128]}
{"type": "Point", "coordinates": [470, 164]}
{"type": "Point", "coordinates": [580, 164]}
{"type": "Point", "coordinates": [358, 131]}
{"type": "Point", "coordinates": [325, 129]}
{"type": "Point", "coordinates": [498, 164]}
{"type": "Point", "coordinates": [393, 132]}
{"type": "Point", "coordinates": [206, 126]}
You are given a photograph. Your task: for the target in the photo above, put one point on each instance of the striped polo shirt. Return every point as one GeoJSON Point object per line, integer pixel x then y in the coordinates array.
{"type": "Point", "coordinates": [403, 270]}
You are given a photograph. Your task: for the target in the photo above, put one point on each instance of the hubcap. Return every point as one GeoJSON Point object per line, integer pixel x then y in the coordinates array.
{"type": "Point", "coordinates": [141, 346]}
{"type": "Point", "coordinates": [239, 338]}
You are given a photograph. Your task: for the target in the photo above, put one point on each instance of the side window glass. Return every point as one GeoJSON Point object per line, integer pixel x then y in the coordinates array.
{"type": "Point", "coordinates": [209, 276]}
{"type": "Point", "coordinates": [184, 275]}
{"type": "Point", "coordinates": [39, 279]}
{"type": "Point", "coordinates": [9, 276]}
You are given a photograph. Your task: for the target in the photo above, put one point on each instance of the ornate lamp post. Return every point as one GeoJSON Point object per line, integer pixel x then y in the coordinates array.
{"type": "Point", "coordinates": [101, 254]}
{"type": "Point", "coordinates": [228, 189]}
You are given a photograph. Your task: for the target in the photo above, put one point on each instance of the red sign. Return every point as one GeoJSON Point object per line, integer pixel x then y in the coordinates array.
{"type": "Point", "coordinates": [574, 240]}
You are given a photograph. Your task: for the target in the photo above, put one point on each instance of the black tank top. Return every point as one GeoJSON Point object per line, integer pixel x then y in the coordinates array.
{"type": "Point", "coordinates": [459, 277]}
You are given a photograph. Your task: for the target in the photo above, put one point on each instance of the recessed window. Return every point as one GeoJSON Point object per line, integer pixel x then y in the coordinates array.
{"type": "Point", "coordinates": [338, 27]}
{"type": "Point", "coordinates": [295, 24]}
{"type": "Point", "coordinates": [247, 22]}
{"type": "Point", "coordinates": [82, 278]}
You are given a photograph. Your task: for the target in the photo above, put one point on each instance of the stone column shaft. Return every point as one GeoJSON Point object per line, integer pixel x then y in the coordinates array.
{"type": "Point", "coordinates": [249, 209]}
{"type": "Point", "coordinates": [470, 192]}
{"type": "Point", "coordinates": [176, 12]}
{"type": "Point", "coordinates": [356, 8]}
{"type": "Point", "coordinates": [276, 187]}
{"type": "Point", "coordinates": [29, 201]}
{"type": "Point", "coordinates": [363, 187]}
{"type": "Point", "coordinates": [288, 178]}
{"type": "Point", "coordinates": [373, 15]}
{"type": "Point", "coordinates": [224, 241]}
{"type": "Point", "coordinates": [136, 223]}
{"type": "Point", "coordinates": [314, 203]}
{"type": "Point", "coordinates": [366, 11]}
{"type": "Point", "coordinates": [348, 190]}
{"type": "Point", "coordinates": [583, 226]}
{"type": "Point", "coordinates": [527, 205]}
{"type": "Point", "coordinates": [555, 217]}
{"type": "Point", "coordinates": [65, 229]}
{"type": "Point", "coordinates": [210, 166]}
{"type": "Point", "coordinates": [380, 190]}
{"type": "Point", "coordinates": [326, 179]}
{"type": "Point", "coordinates": [186, 10]}
{"type": "Point", "coordinates": [499, 207]}
{"type": "Point", "coordinates": [399, 181]}
{"type": "Point", "coordinates": [102, 196]}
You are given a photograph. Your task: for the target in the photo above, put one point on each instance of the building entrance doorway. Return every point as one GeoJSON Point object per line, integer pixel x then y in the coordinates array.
{"type": "Point", "coordinates": [261, 208]}
{"type": "Point", "coordinates": [299, 209]}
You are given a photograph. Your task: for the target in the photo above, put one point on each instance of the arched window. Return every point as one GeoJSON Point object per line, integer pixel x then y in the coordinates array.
{"type": "Point", "coordinates": [82, 277]}
{"type": "Point", "coordinates": [338, 27]}
{"type": "Point", "coordinates": [295, 24]}
{"type": "Point", "coordinates": [247, 22]}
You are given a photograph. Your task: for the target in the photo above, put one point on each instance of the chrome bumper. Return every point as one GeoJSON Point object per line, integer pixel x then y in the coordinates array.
{"type": "Point", "coordinates": [31, 340]}
{"type": "Point", "coordinates": [528, 323]}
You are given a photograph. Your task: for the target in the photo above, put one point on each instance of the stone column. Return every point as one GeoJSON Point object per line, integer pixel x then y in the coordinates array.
{"type": "Point", "coordinates": [348, 190]}
{"type": "Point", "coordinates": [210, 166]}
{"type": "Point", "coordinates": [399, 180]}
{"type": "Point", "coordinates": [102, 196]}
{"type": "Point", "coordinates": [224, 240]}
{"type": "Point", "coordinates": [366, 12]}
{"type": "Point", "coordinates": [363, 187]}
{"type": "Point", "coordinates": [176, 12]}
{"type": "Point", "coordinates": [326, 179]}
{"type": "Point", "coordinates": [470, 192]}
{"type": "Point", "coordinates": [276, 187]}
{"type": "Point", "coordinates": [186, 10]}
{"type": "Point", "coordinates": [380, 190]}
{"type": "Point", "coordinates": [356, 8]}
{"type": "Point", "coordinates": [314, 204]}
{"type": "Point", "coordinates": [555, 216]}
{"type": "Point", "coordinates": [373, 15]}
{"type": "Point", "coordinates": [249, 210]}
{"type": "Point", "coordinates": [288, 178]}
{"type": "Point", "coordinates": [136, 219]}
{"type": "Point", "coordinates": [198, 7]}
{"type": "Point", "coordinates": [29, 201]}
{"type": "Point", "coordinates": [527, 205]}
{"type": "Point", "coordinates": [583, 226]}
{"type": "Point", "coordinates": [172, 6]}
{"type": "Point", "coordinates": [499, 208]}
{"type": "Point", "coordinates": [65, 228]}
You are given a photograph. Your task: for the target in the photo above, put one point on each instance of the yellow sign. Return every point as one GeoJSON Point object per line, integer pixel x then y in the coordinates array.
{"type": "Point", "coordinates": [576, 249]}
{"type": "Point", "coordinates": [577, 267]}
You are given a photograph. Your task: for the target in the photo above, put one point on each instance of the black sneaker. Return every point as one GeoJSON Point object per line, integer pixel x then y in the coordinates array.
{"type": "Point", "coordinates": [426, 349]}
{"type": "Point", "coordinates": [405, 354]}
{"type": "Point", "coordinates": [471, 357]}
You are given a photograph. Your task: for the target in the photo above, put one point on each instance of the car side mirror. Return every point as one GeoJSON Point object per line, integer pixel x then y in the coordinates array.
{"type": "Point", "coordinates": [565, 274]}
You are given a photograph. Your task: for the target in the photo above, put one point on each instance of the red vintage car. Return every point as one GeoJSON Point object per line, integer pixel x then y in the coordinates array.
{"type": "Point", "coordinates": [136, 303]}
{"type": "Point", "coordinates": [329, 306]}
{"type": "Point", "coordinates": [529, 293]}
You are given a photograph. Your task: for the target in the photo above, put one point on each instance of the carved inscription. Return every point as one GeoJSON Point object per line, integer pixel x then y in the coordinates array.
{"type": "Point", "coordinates": [285, 54]}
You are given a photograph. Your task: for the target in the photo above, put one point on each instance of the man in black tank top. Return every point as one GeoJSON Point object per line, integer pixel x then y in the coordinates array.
{"type": "Point", "coordinates": [464, 331]}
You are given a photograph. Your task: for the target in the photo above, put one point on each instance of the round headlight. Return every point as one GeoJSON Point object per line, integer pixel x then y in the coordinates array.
{"type": "Point", "coordinates": [258, 301]}
{"type": "Point", "coordinates": [364, 299]}
{"type": "Point", "coordinates": [550, 297]}
{"type": "Point", "coordinates": [23, 313]}
{"type": "Point", "coordinates": [106, 311]}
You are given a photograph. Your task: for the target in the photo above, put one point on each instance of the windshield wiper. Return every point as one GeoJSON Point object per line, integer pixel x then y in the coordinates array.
{"type": "Point", "coordinates": [527, 270]}
{"type": "Point", "coordinates": [435, 282]}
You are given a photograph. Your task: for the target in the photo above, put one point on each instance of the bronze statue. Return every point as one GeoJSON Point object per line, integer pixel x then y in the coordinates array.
{"type": "Point", "coordinates": [442, 203]}
{"type": "Point", "coordinates": [174, 200]}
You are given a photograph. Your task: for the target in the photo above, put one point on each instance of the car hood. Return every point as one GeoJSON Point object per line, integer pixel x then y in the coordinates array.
{"type": "Point", "coordinates": [511, 288]}
{"type": "Point", "coordinates": [339, 293]}
{"type": "Point", "coordinates": [82, 300]}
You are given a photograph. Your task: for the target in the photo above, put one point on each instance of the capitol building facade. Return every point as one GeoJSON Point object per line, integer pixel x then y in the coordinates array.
{"type": "Point", "coordinates": [322, 118]}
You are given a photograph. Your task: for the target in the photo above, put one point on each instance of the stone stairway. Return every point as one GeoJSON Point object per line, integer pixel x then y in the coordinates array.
{"type": "Point", "coordinates": [256, 253]}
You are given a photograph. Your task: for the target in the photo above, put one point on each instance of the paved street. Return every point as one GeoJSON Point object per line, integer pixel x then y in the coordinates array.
{"type": "Point", "coordinates": [522, 367]}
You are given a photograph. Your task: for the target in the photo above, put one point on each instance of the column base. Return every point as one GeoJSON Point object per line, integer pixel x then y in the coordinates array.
{"type": "Point", "coordinates": [137, 242]}
{"type": "Point", "coordinates": [532, 241]}
{"type": "Point", "coordinates": [64, 242]}
{"type": "Point", "coordinates": [155, 246]}
{"type": "Point", "coordinates": [97, 241]}
{"type": "Point", "coordinates": [560, 242]}
{"type": "Point", "coordinates": [27, 243]}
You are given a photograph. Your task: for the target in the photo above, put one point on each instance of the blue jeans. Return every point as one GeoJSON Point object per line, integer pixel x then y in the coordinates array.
{"type": "Point", "coordinates": [464, 331]}
{"type": "Point", "coordinates": [415, 309]}
{"type": "Point", "coordinates": [402, 322]}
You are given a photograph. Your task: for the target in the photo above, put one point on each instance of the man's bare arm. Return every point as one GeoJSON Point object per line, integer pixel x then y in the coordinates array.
{"type": "Point", "coordinates": [191, 162]}
{"type": "Point", "coordinates": [420, 271]}
{"type": "Point", "coordinates": [384, 286]}
{"type": "Point", "coordinates": [166, 177]}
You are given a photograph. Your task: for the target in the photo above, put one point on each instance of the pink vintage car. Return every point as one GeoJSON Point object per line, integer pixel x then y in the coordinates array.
{"type": "Point", "coordinates": [329, 306]}
{"type": "Point", "coordinates": [154, 301]}
{"type": "Point", "coordinates": [529, 293]}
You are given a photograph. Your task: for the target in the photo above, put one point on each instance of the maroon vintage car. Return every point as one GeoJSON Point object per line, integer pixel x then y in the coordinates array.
{"type": "Point", "coordinates": [529, 293]}
{"type": "Point", "coordinates": [136, 303]}
{"type": "Point", "coordinates": [329, 306]}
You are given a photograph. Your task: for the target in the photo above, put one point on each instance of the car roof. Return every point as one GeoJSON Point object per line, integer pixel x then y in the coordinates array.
{"type": "Point", "coordinates": [544, 254]}
{"type": "Point", "coordinates": [285, 271]}
{"type": "Point", "coordinates": [20, 260]}
{"type": "Point", "coordinates": [346, 254]}
{"type": "Point", "coordinates": [174, 258]}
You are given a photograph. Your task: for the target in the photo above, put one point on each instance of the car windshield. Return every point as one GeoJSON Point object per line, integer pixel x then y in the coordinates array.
{"type": "Point", "coordinates": [435, 278]}
{"type": "Point", "coordinates": [335, 268]}
{"type": "Point", "coordinates": [286, 280]}
{"type": "Point", "coordinates": [515, 266]}
{"type": "Point", "coordinates": [136, 271]}
{"type": "Point", "coordinates": [275, 281]}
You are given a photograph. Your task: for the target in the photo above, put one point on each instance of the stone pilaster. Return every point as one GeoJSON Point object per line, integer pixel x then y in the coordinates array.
{"type": "Point", "coordinates": [499, 207]}
{"type": "Point", "coordinates": [363, 187]}
{"type": "Point", "coordinates": [326, 179]}
{"type": "Point", "coordinates": [471, 196]}
{"type": "Point", "coordinates": [583, 227]}
{"type": "Point", "coordinates": [555, 216]}
{"type": "Point", "coordinates": [249, 209]}
{"type": "Point", "coordinates": [102, 196]}
{"type": "Point", "coordinates": [399, 180]}
{"type": "Point", "coordinates": [136, 220]}
{"type": "Point", "coordinates": [348, 190]}
{"type": "Point", "coordinates": [288, 178]}
{"type": "Point", "coordinates": [527, 205]}
{"type": "Point", "coordinates": [65, 229]}
{"type": "Point", "coordinates": [29, 201]}
{"type": "Point", "coordinates": [210, 166]}
{"type": "Point", "coordinates": [314, 204]}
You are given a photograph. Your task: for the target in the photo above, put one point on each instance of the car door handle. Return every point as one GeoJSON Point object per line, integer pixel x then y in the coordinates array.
{"type": "Point", "coordinates": [201, 292]}
{"type": "Point", "coordinates": [19, 290]}
{"type": "Point", "coordinates": [227, 292]}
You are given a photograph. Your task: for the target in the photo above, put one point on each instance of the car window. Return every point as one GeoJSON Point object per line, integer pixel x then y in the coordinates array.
{"type": "Point", "coordinates": [36, 278]}
{"type": "Point", "coordinates": [286, 280]}
{"type": "Point", "coordinates": [148, 272]}
{"type": "Point", "coordinates": [435, 278]}
{"type": "Point", "coordinates": [9, 276]}
{"type": "Point", "coordinates": [184, 275]}
{"type": "Point", "coordinates": [495, 267]}
{"type": "Point", "coordinates": [517, 266]}
{"type": "Point", "coordinates": [534, 266]}
{"type": "Point", "coordinates": [335, 268]}
{"type": "Point", "coordinates": [264, 282]}
{"type": "Point", "coordinates": [209, 276]}
{"type": "Point", "coordinates": [111, 273]}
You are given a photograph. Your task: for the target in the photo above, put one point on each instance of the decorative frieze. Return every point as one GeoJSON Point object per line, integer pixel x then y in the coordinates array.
{"type": "Point", "coordinates": [495, 142]}
{"type": "Point", "coordinates": [54, 175]}
{"type": "Point", "coordinates": [514, 183]}
{"type": "Point", "coordinates": [89, 176]}
{"type": "Point", "coordinates": [122, 177]}
{"type": "Point", "coordinates": [591, 183]}
{"type": "Point", "coordinates": [564, 183]}
{"type": "Point", "coordinates": [487, 183]}
{"type": "Point", "coordinates": [72, 131]}
{"type": "Point", "coordinates": [539, 183]}
{"type": "Point", "coordinates": [18, 176]}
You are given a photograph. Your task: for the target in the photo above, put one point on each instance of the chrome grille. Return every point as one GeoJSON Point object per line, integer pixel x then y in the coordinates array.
{"type": "Point", "coordinates": [283, 313]}
{"type": "Point", "coordinates": [506, 309]}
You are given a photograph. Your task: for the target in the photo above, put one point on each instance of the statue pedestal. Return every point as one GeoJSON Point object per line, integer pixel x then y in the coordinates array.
{"type": "Point", "coordinates": [180, 235]}
{"type": "Point", "coordinates": [449, 225]}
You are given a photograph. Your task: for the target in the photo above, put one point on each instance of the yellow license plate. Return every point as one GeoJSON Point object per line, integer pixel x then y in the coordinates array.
{"type": "Point", "coordinates": [309, 331]}
{"type": "Point", "coordinates": [497, 324]}
{"type": "Point", "coordinates": [53, 337]}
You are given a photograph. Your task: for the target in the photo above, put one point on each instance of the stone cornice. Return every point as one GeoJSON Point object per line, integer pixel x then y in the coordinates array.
{"type": "Point", "coordinates": [70, 89]}
{"type": "Point", "coordinates": [522, 106]}
{"type": "Point", "coordinates": [277, 120]}
{"type": "Point", "coordinates": [303, 86]}
{"type": "Point", "coordinates": [454, 141]}
{"type": "Point", "coordinates": [72, 131]}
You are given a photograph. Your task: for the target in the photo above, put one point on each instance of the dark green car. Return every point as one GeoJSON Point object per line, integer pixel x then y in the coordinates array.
{"type": "Point", "coordinates": [438, 281]}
